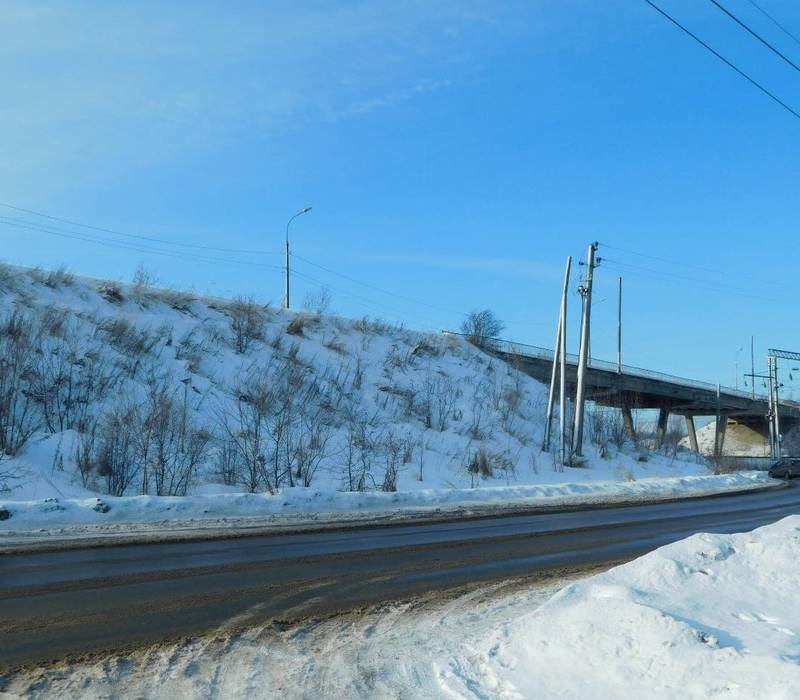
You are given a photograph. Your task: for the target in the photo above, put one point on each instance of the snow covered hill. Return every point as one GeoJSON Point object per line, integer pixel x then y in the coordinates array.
{"type": "Point", "coordinates": [124, 389]}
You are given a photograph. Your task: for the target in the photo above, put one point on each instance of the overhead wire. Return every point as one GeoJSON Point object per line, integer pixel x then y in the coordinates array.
{"type": "Point", "coordinates": [152, 239]}
{"type": "Point", "coordinates": [88, 238]}
{"type": "Point", "coordinates": [774, 21]}
{"type": "Point", "coordinates": [778, 53]}
{"type": "Point", "coordinates": [728, 63]}
{"type": "Point", "coordinates": [700, 268]}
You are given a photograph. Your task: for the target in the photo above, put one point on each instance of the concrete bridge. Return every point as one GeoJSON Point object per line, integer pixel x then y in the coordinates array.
{"type": "Point", "coordinates": [630, 388]}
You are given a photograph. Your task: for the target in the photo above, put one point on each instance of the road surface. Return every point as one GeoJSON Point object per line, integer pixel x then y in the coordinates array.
{"type": "Point", "coordinates": [64, 604]}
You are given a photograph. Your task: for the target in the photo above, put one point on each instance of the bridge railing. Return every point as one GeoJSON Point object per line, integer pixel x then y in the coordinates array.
{"type": "Point", "coordinates": [535, 351]}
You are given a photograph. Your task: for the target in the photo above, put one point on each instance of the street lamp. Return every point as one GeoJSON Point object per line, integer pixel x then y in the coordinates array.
{"type": "Point", "coordinates": [286, 296]}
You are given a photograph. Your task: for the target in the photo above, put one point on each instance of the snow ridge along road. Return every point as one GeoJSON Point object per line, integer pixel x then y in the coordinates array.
{"type": "Point", "coordinates": [65, 604]}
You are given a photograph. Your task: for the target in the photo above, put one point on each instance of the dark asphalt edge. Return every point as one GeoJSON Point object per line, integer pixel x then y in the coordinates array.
{"type": "Point", "coordinates": [414, 518]}
{"type": "Point", "coordinates": [542, 577]}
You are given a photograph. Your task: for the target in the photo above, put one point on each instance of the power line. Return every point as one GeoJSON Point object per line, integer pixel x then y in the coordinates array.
{"type": "Point", "coordinates": [724, 60]}
{"type": "Point", "coordinates": [700, 268]}
{"type": "Point", "coordinates": [377, 306]}
{"type": "Point", "coordinates": [152, 239]}
{"type": "Point", "coordinates": [373, 287]}
{"type": "Point", "coordinates": [774, 21]}
{"type": "Point", "coordinates": [88, 238]}
{"type": "Point", "coordinates": [757, 36]}
{"type": "Point", "coordinates": [684, 280]}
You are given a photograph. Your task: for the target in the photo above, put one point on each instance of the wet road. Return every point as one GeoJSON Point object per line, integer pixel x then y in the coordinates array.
{"type": "Point", "coordinates": [63, 604]}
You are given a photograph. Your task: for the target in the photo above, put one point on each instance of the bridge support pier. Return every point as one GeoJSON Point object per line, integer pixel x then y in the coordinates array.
{"type": "Point", "coordinates": [719, 434]}
{"type": "Point", "coordinates": [627, 422]}
{"type": "Point", "coordinates": [661, 427]}
{"type": "Point", "coordinates": [690, 429]}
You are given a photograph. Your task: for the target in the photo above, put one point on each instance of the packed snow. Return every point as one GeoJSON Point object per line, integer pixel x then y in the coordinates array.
{"type": "Point", "coordinates": [709, 616]}
{"type": "Point", "coordinates": [142, 397]}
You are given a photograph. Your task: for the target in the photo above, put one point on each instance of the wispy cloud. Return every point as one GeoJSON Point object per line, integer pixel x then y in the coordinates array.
{"type": "Point", "coordinates": [93, 89]}
{"type": "Point", "coordinates": [502, 265]}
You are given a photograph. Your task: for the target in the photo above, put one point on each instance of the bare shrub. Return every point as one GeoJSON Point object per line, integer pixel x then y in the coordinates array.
{"type": "Point", "coordinates": [318, 302]}
{"type": "Point", "coordinates": [175, 299]}
{"type": "Point", "coordinates": [109, 449]}
{"type": "Point", "coordinates": [438, 398]}
{"type": "Point", "coordinates": [143, 279]}
{"type": "Point", "coordinates": [69, 381]}
{"type": "Point", "coordinates": [480, 464]}
{"type": "Point", "coordinates": [297, 325]}
{"type": "Point", "coordinates": [335, 345]}
{"type": "Point", "coordinates": [111, 292]}
{"type": "Point", "coordinates": [482, 328]}
{"type": "Point", "coordinates": [8, 277]}
{"type": "Point", "coordinates": [247, 323]}
{"type": "Point", "coordinates": [170, 444]}
{"type": "Point", "coordinates": [393, 447]}
{"type": "Point", "coordinates": [125, 337]}
{"type": "Point", "coordinates": [19, 419]}
{"type": "Point", "coordinates": [60, 277]}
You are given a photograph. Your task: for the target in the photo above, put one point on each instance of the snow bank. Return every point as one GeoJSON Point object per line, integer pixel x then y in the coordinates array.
{"type": "Point", "coordinates": [228, 509]}
{"type": "Point", "coordinates": [710, 616]}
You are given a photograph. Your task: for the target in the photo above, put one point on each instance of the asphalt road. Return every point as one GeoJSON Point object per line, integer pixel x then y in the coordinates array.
{"type": "Point", "coordinates": [65, 604]}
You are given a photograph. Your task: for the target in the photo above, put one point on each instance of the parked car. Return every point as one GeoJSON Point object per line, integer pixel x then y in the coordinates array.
{"type": "Point", "coordinates": [785, 469]}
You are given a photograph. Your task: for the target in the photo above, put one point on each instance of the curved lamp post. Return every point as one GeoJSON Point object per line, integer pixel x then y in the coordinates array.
{"type": "Point", "coordinates": [286, 296]}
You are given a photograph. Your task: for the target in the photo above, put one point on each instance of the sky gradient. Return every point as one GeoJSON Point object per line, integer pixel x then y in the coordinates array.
{"type": "Point", "coordinates": [454, 154]}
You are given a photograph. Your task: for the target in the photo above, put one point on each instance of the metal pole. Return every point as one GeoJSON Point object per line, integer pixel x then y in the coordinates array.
{"type": "Point", "coordinates": [619, 326]}
{"type": "Point", "coordinates": [717, 441]}
{"type": "Point", "coordinates": [753, 365]}
{"type": "Point", "coordinates": [286, 291]}
{"type": "Point", "coordinates": [577, 436]}
{"type": "Point", "coordinates": [770, 410]}
{"type": "Point", "coordinates": [556, 353]}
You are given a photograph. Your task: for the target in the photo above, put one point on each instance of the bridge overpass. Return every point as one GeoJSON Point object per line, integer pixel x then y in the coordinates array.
{"type": "Point", "coordinates": [629, 388]}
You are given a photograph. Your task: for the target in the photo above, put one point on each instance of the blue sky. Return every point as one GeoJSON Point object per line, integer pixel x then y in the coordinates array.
{"type": "Point", "coordinates": [454, 153]}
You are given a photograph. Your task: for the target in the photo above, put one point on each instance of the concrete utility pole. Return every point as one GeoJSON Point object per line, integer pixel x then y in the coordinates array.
{"type": "Point", "coordinates": [772, 398]}
{"type": "Point", "coordinates": [560, 334]}
{"type": "Point", "coordinates": [562, 361]}
{"type": "Point", "coordinates": [583, 359]}
{"type": "Point", "coordinates": [777, 409]}
{"type": "Point", "coordinates": [619, 326]}
{"type": "Point", "coordinates": [286, 295]}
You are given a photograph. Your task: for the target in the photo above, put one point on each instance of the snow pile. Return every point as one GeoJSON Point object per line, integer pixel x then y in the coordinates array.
{"type": "Point", "coordinates": [710, 616]}
{"type": "Point", "coordinates": [229, 510]}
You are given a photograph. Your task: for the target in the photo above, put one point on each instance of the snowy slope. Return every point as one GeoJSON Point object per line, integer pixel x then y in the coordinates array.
{"type": "Point", "coordinates": [156, 392]}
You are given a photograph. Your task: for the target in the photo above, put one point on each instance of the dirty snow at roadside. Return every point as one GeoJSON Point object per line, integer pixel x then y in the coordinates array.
{"type": "Point", "coordinates": [303, 505]}
{"type": "Point", "coordinates": [712, 616]}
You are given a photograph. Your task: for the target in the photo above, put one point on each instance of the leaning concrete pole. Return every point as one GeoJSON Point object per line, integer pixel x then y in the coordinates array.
{"type": "Point", "coordinates": [777, 409]}
{"type": "Point", "coordinates": [583, 359]}
{"type": "Point", "coordinates": [556, 349]}
{"type": "Point", "coordinates": [562, 361]}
